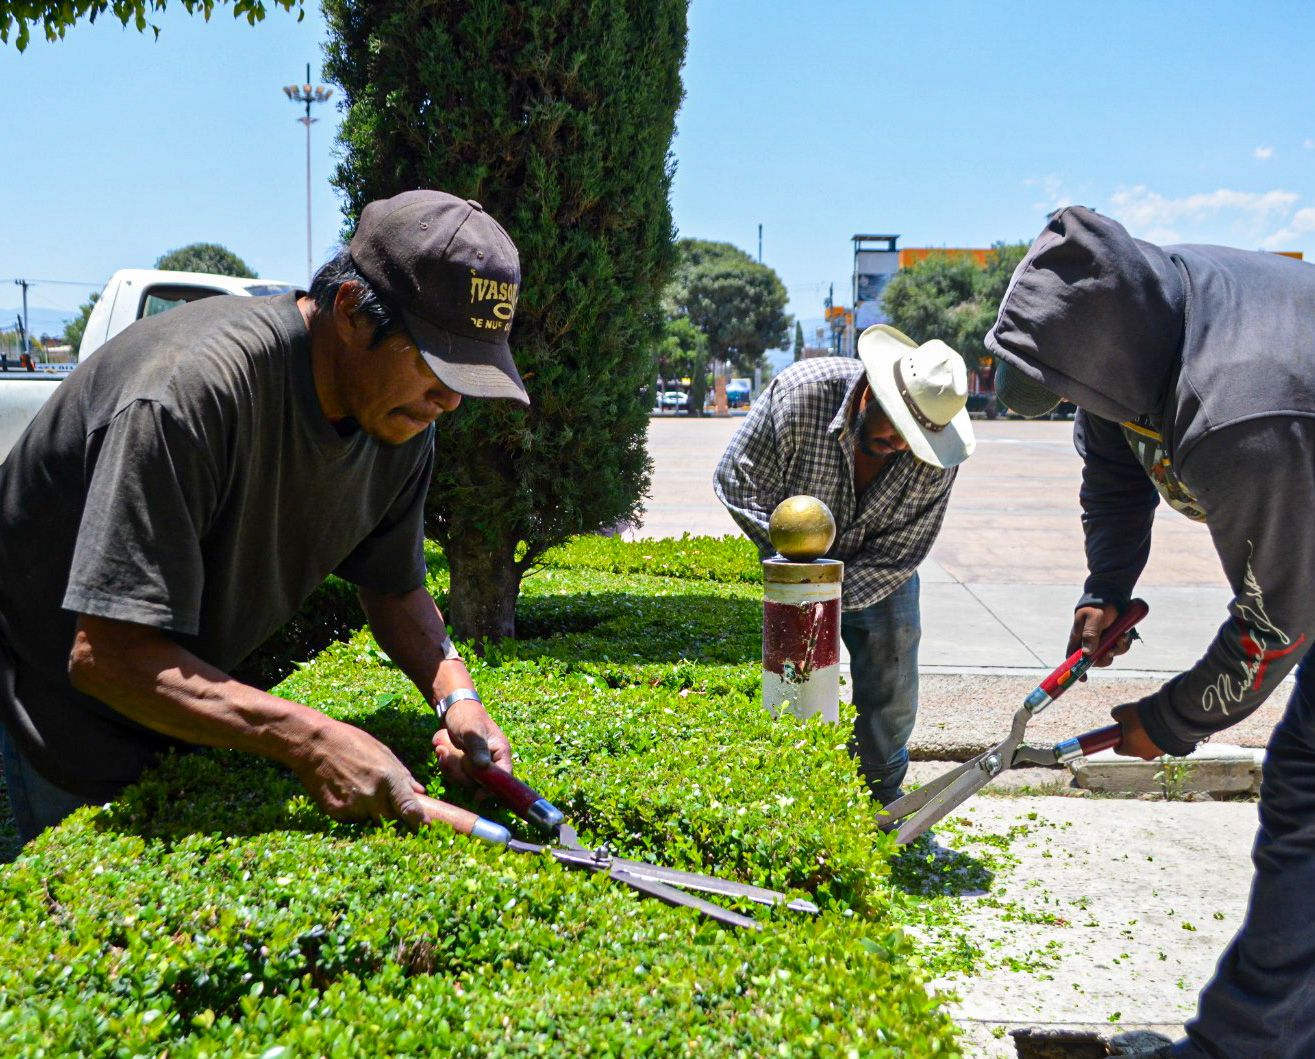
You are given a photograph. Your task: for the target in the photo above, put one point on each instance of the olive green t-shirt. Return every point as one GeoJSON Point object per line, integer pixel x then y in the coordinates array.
{"type": "Point", "coordinates": [186, 478]}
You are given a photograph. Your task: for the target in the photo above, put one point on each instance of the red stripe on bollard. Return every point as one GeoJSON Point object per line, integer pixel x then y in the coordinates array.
{"type": "Point", "coordinates": [805, 636]}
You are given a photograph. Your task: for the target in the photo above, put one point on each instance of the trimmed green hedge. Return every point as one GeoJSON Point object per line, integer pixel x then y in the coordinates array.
{"type": "Point", "coordinates": [700, 558]}
{"type": "Point", "coordinates": [213, 911]}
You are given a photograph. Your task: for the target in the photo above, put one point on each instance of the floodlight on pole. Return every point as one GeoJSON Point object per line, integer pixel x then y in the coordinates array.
{"type": "Point", "coordinates": [308, 94]}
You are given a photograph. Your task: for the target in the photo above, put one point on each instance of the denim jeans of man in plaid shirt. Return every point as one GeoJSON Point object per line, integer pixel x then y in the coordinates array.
{"type": "Point", "coordinates": [800, 437]}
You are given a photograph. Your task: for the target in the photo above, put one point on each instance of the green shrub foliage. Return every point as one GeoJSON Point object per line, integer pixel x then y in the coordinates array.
{"type": "Point", "coordinates": [557, 116]}
{"type": "Point", "coordinates": [214, 911]}
{"type": "Point", "coordinates": [17, 17]}
{"type": "Point", "coordinates": [205, 257]}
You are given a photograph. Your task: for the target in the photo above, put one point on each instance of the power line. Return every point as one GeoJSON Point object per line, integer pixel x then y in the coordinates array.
{"type": "Point", "coordinates": [61, 282]}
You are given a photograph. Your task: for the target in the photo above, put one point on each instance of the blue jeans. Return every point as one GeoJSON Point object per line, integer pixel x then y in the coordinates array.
{"type": "Point", "coordinates": [35, 802]}
{"type": "Point", "coordinates": [882, 641]}
{"type": "Point", "coordinates": [1261, 1002]}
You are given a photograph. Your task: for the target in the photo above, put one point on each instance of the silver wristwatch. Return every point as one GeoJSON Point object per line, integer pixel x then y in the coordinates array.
{"type": "Point", "coordinates": [448, 701]}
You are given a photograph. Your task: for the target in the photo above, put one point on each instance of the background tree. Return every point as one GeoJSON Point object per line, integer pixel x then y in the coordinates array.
{"type": "Point", "coordinates": [798, 340]}
{"type": "Point", "coordinates": [951, 298]}
{"type": "Point", "coordinates": [556, 115]}
{"type": "Point", "coordinates": [75, 328]}
{"type": "Point", "coordinates": [205, 257]}
{"type": "Point", "coordinates": [57, 16]}
{"type": "Point", "coordinates": [682, 351]}
{"type": "Point", "coordinates": [737, 303]}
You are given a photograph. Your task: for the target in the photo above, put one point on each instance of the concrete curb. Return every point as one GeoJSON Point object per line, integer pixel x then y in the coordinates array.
{"type": "Point", "coordinates": [1213, 769]}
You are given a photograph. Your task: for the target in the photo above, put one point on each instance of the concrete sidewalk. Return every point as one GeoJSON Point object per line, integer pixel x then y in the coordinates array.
{"type": "Point", "coordinates": [1107, 914]}
{"type": "Point", "coordinates": [1103, 913]}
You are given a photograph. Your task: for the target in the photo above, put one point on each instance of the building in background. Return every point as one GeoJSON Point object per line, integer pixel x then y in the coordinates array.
{"type": "Point", "coordinates": [876, 259]}
{"type": "Point", "coordinates": [914, 255]}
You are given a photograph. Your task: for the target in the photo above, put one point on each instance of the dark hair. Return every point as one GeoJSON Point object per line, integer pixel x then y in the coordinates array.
{"type": "Point", "coordinates": [341, 269]}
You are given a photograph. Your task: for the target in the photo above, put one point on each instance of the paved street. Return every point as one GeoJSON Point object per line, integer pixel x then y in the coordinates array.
{"type": "Point", "coordinates": [999, 586]}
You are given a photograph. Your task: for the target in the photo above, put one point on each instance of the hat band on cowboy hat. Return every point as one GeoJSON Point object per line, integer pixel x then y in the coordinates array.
{"type": "Point", "coordinates": [923, 389]}
{"type": "Point", "coordinates": [912, 405]}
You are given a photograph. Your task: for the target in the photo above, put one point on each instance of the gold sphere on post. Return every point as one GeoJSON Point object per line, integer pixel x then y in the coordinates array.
{"type": "Point", "coordinates": [802, 528]}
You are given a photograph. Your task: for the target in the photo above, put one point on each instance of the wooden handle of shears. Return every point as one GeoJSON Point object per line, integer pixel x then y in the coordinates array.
{"type": "Point", "coordinates": [462, 821]}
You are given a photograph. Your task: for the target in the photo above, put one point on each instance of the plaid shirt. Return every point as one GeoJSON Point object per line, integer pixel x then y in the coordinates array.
{"type": "Point", "coordinates": [796, 439]}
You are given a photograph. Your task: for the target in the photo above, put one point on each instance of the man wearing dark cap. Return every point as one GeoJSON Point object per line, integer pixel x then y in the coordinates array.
{"type": "Point", "coordinates": [185, 490]}
{"type": "Point", "coordinates": [1194, 371]}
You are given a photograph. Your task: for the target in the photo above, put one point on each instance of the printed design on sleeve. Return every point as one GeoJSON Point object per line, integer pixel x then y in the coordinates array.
{"type": "Point", "coordinates": [1261, 641]}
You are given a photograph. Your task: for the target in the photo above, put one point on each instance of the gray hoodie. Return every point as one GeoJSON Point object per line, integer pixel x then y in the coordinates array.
{"type": "Point", "coordinates": [1194, 369]}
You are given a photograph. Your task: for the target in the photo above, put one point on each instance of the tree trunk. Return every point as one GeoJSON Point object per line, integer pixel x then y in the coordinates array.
{"type": "Point", "coordinates": [698, 387]}
{"type": "Point", "coordinates": [485, 582]}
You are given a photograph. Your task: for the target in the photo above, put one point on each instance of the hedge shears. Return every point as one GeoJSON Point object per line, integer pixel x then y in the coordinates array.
{"type": "Point", "coordinates": [666, 884]}
{"type": "Point", "coordinates": [909, 816]}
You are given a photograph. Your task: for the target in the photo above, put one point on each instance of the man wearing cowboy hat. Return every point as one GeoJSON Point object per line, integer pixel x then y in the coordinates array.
{"type": "Point", "coordinates": [878, 440]}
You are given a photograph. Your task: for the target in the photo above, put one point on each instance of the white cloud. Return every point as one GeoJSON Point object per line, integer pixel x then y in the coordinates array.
{"type": "Point", "coordinates": [1264, 154]}
{"type": "Point", "coordinates": [1296, 231]}
{"type": "Point", "coordinates": [1160, 219]}
{"type": "Point", "coordinates": [1308, 143]}
{"type": "Point", "coordinates": [1053, 195]}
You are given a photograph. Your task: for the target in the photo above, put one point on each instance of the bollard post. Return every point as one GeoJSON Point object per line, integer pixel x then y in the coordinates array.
{"type": "Point", "coordinates": [801, 612]}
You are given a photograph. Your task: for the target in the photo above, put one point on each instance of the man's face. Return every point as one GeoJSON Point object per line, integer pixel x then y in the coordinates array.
{"type": "Point", "coordinates": [391, 392]}
{"type": "Point", "coordinates": [874, 434]}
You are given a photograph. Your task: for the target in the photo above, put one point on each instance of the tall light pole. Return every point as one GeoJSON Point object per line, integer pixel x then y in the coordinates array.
{"type": "Point", "coordinates": [308, 94]}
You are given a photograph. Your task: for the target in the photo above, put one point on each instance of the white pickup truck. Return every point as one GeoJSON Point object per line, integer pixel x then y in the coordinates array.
{"type": "Point", "coordinates": [131, 293]}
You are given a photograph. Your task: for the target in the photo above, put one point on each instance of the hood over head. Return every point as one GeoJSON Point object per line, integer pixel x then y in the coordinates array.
{"type": "Point", "coordinates": [1093, 315]}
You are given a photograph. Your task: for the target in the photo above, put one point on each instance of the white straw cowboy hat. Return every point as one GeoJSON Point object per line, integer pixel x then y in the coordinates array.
{"type": "Point", "coordinates": [924, 391]}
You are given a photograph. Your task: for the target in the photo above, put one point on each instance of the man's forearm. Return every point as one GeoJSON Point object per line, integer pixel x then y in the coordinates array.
{"type": "Point", "coordinates": [410, 629]}
{"type": "Point", "coordinates": [146, 676]}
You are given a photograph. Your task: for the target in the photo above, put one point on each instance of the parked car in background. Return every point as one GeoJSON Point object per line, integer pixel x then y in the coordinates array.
{"type": "Point", "coordinates": [135, 293]}
{"type": "Point", "coordinates": [738, 393]}
{"type": "Point", "coordinates": [131, 294]}
{"type": "Point", "coordinates": [674, 401]}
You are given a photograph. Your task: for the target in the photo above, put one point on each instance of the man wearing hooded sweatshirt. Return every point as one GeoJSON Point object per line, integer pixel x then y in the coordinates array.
{"type": "Point", "coordinates": [1194, 371]}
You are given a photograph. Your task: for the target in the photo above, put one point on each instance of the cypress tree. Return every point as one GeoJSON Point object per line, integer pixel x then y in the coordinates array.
{"type": "Point", "coordinates": [557, 116]}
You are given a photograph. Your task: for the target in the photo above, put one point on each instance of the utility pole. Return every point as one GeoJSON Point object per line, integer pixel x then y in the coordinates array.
{"type": "Point", "coordinates": [760, 244]}
{"type": "Point", "coordinates": [308, 94]}
{"type": "Point", "coordinates": [24, 331]}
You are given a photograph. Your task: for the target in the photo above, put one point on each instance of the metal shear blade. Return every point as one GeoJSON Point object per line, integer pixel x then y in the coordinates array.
{"type": "Point", "coordinates": [672, 896]}
{"type": "Point", "coordinates": [663, 883]}
{"type": "Point", "coordinates": [912, 814]}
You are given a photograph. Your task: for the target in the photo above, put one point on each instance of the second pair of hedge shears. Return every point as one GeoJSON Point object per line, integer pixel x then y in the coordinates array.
{"type": "Point", "coordinates": [909, 816]}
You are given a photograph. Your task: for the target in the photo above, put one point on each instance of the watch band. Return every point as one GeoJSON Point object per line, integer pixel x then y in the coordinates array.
{"type": "Point", "coordinates": [448, 701]}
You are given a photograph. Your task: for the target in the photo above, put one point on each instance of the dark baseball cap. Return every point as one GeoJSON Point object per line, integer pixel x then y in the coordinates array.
{"type": "Point", "coordinates": [454, 274]}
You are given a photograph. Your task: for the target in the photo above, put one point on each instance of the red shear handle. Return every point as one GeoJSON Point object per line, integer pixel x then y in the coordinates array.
{"type": "Point", "coordinates": [1134, 613]}
{"type": "Point", "coordinates": [1107, 738]}
{"type": "Point", "coordinates": [1078, 663]}
{"type": "Point", "coordinates": [506, 788]}
{"type": "Point", "coordinates": [520, 798]}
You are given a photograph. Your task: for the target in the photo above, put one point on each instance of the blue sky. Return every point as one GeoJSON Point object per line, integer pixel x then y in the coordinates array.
{"type": "Point", "coordinates": [951, 123]}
